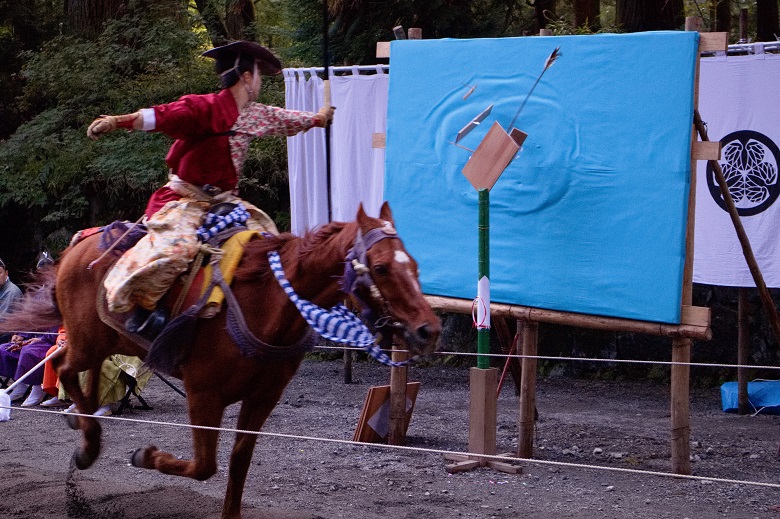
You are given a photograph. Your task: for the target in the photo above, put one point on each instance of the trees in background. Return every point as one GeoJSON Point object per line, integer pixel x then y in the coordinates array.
{"type": "Point", "coordinates": [587, 13]}
{"type": "Point", "coordinates": [767, 28]}
{"type": "Point", "coordinates": [649, 15]}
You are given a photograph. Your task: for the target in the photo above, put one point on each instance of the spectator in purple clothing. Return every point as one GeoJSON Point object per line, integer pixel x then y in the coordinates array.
{"type": "Point", "coordinates": [9, 294]}
{"type": "Point", "coordinates": [21, 355]}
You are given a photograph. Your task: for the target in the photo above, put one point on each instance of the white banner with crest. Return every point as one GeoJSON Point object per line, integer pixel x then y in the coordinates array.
{"type": "Point", "coordinates": [739, 100]}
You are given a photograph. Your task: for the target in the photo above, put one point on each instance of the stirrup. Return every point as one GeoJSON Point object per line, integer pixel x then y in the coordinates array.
{"type": "Point", "coordinates": [147, 324]}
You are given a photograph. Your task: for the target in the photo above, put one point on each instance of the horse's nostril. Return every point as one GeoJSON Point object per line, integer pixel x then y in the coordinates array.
{"type": "Point", "coordinates": [424, 332]}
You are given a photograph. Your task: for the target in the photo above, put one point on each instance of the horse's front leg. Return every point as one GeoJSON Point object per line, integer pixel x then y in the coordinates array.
{"type": "Point", "coordinates": [84, 456]}
{"type": "Point", "coordinates": [251, 418]}
{"type": "Point", "coordinates": [205, 410]}
{"type": "Point", "coordinates": [255, 409]}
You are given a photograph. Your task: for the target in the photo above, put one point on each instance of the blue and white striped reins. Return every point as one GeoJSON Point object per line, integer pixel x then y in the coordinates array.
{"type": "Point", "coordinates": [338, 324]}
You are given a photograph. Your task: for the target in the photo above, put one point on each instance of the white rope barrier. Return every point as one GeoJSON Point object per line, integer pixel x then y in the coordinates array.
{"type": "Point", "coordinates": [458, 453]}
{"type": "Point", "coordinates": [548, 357]}
{"type": "Point", "coordinates": [421, 449]}
{"type": "Point", "coordinates": [582, 359]}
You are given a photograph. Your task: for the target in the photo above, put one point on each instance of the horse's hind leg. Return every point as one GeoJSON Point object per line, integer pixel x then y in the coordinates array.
{"type": "Point", "coordinates": [85, 455]}
{"type": "Point", "coordinates": [251, 418]}
{"type": "Point", "coordinates": [205, 410]}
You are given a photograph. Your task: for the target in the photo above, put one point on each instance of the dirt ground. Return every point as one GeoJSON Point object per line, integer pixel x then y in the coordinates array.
{"type": "Point", "coordinates": [610, 424]}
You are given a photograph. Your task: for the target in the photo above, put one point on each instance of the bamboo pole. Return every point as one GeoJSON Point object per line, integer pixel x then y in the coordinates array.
{"type": "Point", "coordinates": [483, 328]}
{"type": "Point", "coordinates": [700, 331]}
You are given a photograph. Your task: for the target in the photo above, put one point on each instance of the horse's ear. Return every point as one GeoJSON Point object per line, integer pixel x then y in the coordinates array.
{"type": "Point", "coordinates": [386, 214]}
{"type": "Point", "coordinates": [362, 217]}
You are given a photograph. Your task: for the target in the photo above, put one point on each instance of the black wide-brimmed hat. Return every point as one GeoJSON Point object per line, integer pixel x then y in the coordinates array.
{"type": "Point", "coordinates": [266, 61]}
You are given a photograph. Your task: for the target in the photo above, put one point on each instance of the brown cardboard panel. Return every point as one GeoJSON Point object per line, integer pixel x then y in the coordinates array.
{"type": "Point", "coordinates": [492, 156]}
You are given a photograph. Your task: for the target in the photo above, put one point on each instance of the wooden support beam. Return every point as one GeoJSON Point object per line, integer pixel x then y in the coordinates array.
{"type": "Point", "coordinates": [709, 150]}
{"type": "Point", "coordinates": [699, 316]}
{"type": "Point", "coordinates": [695, 321]}
{"type": "Point", "coordinates": [526, 419]}
{"type": "Point", "coordinates": [398, 381]}
{"type": "Point", "coordinates": [347, 366]}
{"type": "Point", "coordinates": [383, 49]}
{"type": "Point", "coordinates": [680, 406]}
{"type": "Point", "coordinates": [743, 352]}
{"type": "Point", "coordinates": [713, 42]}
{"type": "Point", "coordinates": [693, 23]}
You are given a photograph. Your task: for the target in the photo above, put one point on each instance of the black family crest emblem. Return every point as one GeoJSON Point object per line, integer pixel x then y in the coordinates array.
{"type": "Point", "coordinates": [750, 162]}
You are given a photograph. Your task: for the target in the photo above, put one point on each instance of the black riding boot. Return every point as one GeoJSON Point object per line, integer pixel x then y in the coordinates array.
{"type": "Point", "coordinates": [145, 323]}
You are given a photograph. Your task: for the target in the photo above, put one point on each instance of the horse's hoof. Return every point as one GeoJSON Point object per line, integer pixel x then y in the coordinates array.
{"type": "Point", "coordinates": [82, 460]}
{"type": "Point", "coordinates": [72, 421]}
{"type": "Point", "coordinates": [138, 458]}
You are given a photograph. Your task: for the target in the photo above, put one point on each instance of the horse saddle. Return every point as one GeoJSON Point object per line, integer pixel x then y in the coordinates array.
{"type": "Point", "coordinates": [189, 289]}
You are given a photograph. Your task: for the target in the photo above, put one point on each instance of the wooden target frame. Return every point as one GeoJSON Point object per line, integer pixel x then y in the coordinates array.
{"type": "Point", "coordinates": [694, 322]}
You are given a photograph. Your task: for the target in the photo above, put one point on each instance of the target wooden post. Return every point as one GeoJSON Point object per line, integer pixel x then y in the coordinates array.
{"type": "Point", "coordinates": [488, 162]}
{"type": "Point", "coordinates": [483, 379]}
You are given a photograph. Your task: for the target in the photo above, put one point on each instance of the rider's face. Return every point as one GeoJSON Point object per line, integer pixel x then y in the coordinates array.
{"type": "Point", "coordinates": [257, 83]}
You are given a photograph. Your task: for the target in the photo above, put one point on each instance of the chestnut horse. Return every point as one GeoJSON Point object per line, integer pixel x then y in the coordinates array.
{"type": "Point", "coordinates": [216, 374]}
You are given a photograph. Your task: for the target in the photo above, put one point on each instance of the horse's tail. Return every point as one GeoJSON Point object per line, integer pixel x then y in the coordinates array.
{"type": "Point", "coordinates": [37, 311]}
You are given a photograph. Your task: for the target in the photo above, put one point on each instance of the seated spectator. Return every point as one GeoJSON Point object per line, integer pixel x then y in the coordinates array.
{"type": "Point", "coordinates": [9, 294]}
{"type": "Point", "coordinates": [113, 384]}
{"type": "Point", "coordinates": [51, 383]}
{"type": "Point", "coordinates": [18, 357]}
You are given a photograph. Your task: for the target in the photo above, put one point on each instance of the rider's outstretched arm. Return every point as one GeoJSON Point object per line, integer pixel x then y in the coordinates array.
{"type": "Point", "coordinates": [107, 123]}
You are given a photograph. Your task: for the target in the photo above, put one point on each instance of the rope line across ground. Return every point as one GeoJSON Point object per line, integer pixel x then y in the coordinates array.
{"type": "Point", "coordinates": [413, 449]}
{"type": "Point", "coordinates": [582, 359]}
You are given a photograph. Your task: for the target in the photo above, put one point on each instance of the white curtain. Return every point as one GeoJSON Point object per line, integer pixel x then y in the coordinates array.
{"type": "Point", "coordinates": [304, 90]}
{"type": "Point", "coordinates": [738, 99]}
{"type": "Point", "coordinates": [357, 169]}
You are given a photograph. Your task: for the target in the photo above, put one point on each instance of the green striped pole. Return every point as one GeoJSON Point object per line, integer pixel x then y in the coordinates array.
{"type": "Point", "coordinates": [483, 287]}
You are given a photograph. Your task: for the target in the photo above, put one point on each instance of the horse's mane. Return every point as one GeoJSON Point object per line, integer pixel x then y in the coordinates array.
{"type": "Point", "coordinates": [254, 264]}
{"type": "Point", "coordinates": [37, 310]}
{"type": "Point", "coordinates": [311, 240]}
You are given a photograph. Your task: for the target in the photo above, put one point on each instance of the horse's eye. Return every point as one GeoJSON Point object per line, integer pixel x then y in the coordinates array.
{"type": "Point", "coordinates": [380, 269]}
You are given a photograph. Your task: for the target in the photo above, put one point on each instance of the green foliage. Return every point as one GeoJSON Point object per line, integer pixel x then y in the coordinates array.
{"type": "Point", "coordinates": [357, 26]}
{"type": "Point", "coordinates": [140, 60]}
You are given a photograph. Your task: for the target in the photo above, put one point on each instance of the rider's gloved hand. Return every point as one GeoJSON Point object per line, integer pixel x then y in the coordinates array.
{"type": "Point", "coordinates": [108, 123]}
{"type": "Point", "coordinates": [325, 116]}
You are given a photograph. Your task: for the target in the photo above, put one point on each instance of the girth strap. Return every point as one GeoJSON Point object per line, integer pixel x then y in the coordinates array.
{"type": "Point", "coordinates": [245, 340]}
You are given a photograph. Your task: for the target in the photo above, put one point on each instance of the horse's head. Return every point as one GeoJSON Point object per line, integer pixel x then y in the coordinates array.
{"type": "Point", "coordinates": [387, 282]}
